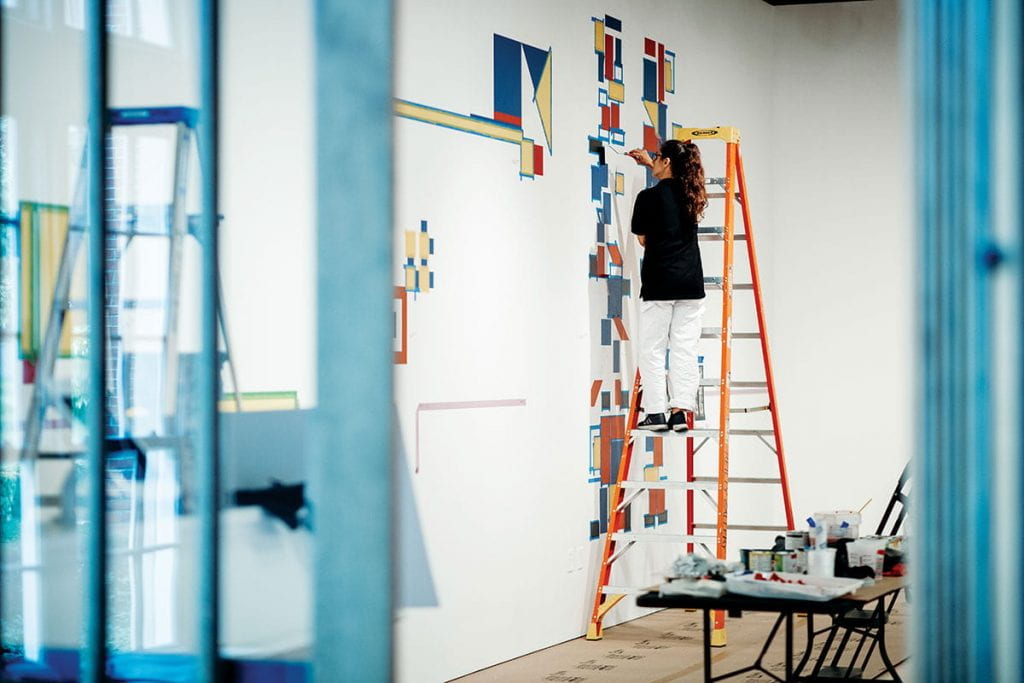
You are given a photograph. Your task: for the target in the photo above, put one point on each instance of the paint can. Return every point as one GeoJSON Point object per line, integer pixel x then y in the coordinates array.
{"type": "Point", "coordinates": [762, 561]}
{"type": "Point", "coordinates": [797, 540]}
{"type": "Point", "coordinates": [794, 561]}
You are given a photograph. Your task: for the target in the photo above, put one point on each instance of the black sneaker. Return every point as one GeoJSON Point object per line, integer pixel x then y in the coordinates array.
{"type": "Point", "coordinates": [654, 422]}
{"type": "Point", "coordinates": [677, 421]}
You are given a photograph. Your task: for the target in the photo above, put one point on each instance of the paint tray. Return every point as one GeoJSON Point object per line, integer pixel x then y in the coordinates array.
{"type": "Point", "coordinates": [792, 586]}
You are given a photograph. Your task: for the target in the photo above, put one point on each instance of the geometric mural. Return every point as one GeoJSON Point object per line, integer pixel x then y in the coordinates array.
{"type": "Point", "coordinates": [610, 287]}
{"type": "Point", "coordinates": [417, 278]}
{"type": "Point", "coordinates": [506, 121]}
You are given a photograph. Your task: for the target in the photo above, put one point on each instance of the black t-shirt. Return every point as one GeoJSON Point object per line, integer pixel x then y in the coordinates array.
{"type": "Point", "coordinates": [671, 268]}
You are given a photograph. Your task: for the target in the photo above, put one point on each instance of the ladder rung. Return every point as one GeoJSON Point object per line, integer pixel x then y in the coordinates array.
{"type": "Point", "coordinates": [737, 384]}
{"type": "Point", "coordinates": [721, 195]}
{"type": "Point", "coordinates": [716, 233]}
{"type": "Point", "coordinates": [751, 409]}
{"type": "Point", "coordinates": [623, 590]}
{"type": "Point", "coordinates": [701, 433]}
{"type": "Point", "coordinates": [659, 538]}
{"type": "Point", "coordinates": [715, 180]}
{"type": "Point", "coordinates": [745, 527]}
{"type": "Point", "coordinates": [739, 480]}
{"type": "Point", "coordinates": [716, 333]}
{"type": "Point", "coordinates": [715, 282]}
{"type": "Point", "coordinates": [659, 485]}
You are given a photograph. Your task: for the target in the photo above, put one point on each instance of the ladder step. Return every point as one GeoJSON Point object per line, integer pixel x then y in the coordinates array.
{"type": "Point", "coordinates": [700, 433]}
{"type": "Point", "coordinates": [751, 409]}
{"type": "Point", "coordinates": [623, 590]}
{"type": "Point", "coordinates": [660, 538]}
{"type": "Point", "coordinates": [736, 384]}
{"type": "Point", "coordinates": [716, 233]}
{"type": "Point", "coordinates": [716, 333]}
{"type": "Point", "coordinates": [739, 480]}
{"type": "Point", "coordinates": [661, 485]}
{"type": "Point", "coordinates": [715, 282]}
{"type": "Point", "coordinates": [721, 195]}
{"type": "Point", "coordinates": [745, 527]}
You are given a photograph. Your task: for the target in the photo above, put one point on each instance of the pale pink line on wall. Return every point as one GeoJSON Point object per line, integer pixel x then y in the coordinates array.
{"type": "Point", "coordinates": [460, 405]}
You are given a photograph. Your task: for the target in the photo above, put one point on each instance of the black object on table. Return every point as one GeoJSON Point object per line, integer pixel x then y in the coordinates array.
{"type": "Point", "coordinates": [849, 613]}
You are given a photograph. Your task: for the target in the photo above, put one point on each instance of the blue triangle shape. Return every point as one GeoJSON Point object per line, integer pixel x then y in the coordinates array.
{"type": "Point", "coordinates": [536, 60]}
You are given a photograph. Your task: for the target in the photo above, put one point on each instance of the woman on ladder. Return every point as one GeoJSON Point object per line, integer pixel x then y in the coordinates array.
{"type": "Point", "coordinates": [665, 221]}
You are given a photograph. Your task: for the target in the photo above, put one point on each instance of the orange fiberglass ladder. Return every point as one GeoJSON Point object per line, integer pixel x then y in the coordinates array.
{"type": "Point", "coordinates": [618, 541]}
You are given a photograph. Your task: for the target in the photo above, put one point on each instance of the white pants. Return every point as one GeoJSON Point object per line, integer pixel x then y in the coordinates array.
{"type": "Point", "coordinates": [675, 326]}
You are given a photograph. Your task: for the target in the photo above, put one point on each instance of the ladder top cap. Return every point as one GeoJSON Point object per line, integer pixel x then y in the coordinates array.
{"type": "Point", "coordinates": [151, 116]}
{"type": "Point", "coordinates": [726, 133]}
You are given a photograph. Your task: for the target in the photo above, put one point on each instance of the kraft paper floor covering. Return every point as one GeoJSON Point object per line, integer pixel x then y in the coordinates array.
{"type": "Point", "coordinates": [666, 646]}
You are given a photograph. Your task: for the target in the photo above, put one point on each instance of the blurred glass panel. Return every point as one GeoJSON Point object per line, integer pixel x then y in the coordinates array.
{"type": "Point", "coordinates": [41, 126]}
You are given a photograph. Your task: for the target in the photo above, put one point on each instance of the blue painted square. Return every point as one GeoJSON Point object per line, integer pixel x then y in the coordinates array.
{"type": "Point", "coordinates": [410, 262]}
{"type": "Point", "coordinates": [431, 247]}
{"type": "Point", "coordinates": [615, 297]}
{"type": "Point", "coordinates": [593, 265]}
{"type": "Point", "coordinates": [618, 52]}
{"type": "Point", "coordinates": [423, 226]}
{"type": "Point", "coordinates": [606, 331]}
{"type": "Point", "coordinates": [598, 181]}
{"type": "Point", "coordinates": [616, 445]}
{"type": "Point", "coordinates": [616, 356]}
{"type": "Point", "coordinates": [663, 121]}
{"type": "Point", "coordinates": [606, 400]}
{"type": "Point", "coordinates": [600, 232]}
{"type": "Point", "coordinates": [626, 287]}
{"type": "Point", "coordinates": [613, 23]}
{"type": "Point", "coordinates": [600, 67]}
{"type": "Point", "coordinates": [431, 279]}
{"type": "Point", "coordinates": [603, 507]}
{"type": "Point", "coordinates": [625, 397]}
{"type": "Point", "coordinates": [606, 198]}
{"type": "Point", "coordinates": [650, 81]}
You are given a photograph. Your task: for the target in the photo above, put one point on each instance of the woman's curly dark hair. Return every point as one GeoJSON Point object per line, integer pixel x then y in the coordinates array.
{"type": "Point", "coordinates": [688, 170]}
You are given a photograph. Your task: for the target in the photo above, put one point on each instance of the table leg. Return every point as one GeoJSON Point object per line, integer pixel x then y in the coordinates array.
{"type": "Point", "coordinates": [809, 646]}
{"type": "Point", "coordinates": [789, 646]}
{"type": "Point", "coordinates": [884, 654]}
{"type": "Point", "coordinates": [707, 646]}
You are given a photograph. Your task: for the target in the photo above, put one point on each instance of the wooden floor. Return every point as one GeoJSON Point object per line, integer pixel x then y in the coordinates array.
{"type": "Point", "coordinates": [666, 646]}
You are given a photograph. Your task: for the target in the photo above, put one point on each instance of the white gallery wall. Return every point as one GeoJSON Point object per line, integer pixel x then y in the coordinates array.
{"type": "Point", "coordinates": [502, 491]}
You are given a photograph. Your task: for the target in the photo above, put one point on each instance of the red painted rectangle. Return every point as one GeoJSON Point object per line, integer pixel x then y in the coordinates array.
{"type": "Point", "coordinates": [618, 392]}
{"type": "Point", "coordinates": [616, 256]}
{"type": "Point", "coordinates": [606, 118]}
{"type": "Point", "coordinates": [648, 47]}
{"type": "Point", "coordinates": [661, 72]}
{"type": "Point", "coordinates": [609, 58]}
{"type": "Point", "coordinates": [595, 391]}
{"type": "Point", "coordinates": [602, 269]}
{"type": "Point", "coordinates": [508, 118]}
{"type": "Point", "coordinates": [650, 139]}
{"type": "Point", "coordinates": [621, 328]}
{"type": "Point", "coordinates": [538, 160]}
{"type": "Point", "coordinates": [615, 116]}
{"type": "Point", "coordinates": [659, 453]}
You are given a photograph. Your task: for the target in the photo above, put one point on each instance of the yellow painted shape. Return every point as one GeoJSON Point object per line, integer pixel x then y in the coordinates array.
{"type": "Point", "coordinates": [599, 36]}
{"type": "Point", "coordinates": [543, 99]}
{"type": "Point", "coordinates": [424, 244]}
{"type": "Point", "coordinates": [53, 230]}
{"type": "Point", "coordinates": [440, 117]}
{"type": "Point", "coordinates": [410, 279]}
{"type": "Point", "coordinates": [616, 91]}
{"type": "Point", "coordinates": [595, 453]}
{"type": "Point", "coordinates": [620, 183]}
{"type": "Point", "coordinates": [424, 279]}
{"type": "Point", "coordinates": [670, 76]}
{"type": "Point", "coordinates": [410, 244]}
{"type": "Point", "coordinates": [257, 404]}
{"type": "Point", "coordinates": [652, 473]}
{"type": "Point", "coordinates": [726, 133]}
{"type": "Point", "coordinates": [26, 280]}
{"type": "Point", "coordinates": [526, 158]}
{"type": "Point", "coordinates": [652, 112]}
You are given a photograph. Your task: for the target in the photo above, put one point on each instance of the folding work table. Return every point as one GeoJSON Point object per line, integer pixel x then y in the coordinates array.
{"type": "Point", "coordinates": [850, 614]}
